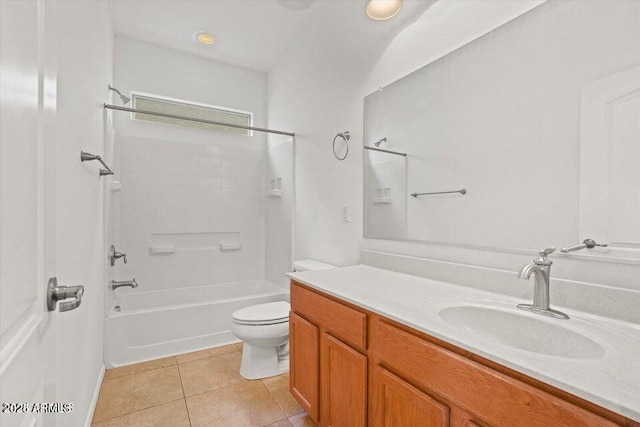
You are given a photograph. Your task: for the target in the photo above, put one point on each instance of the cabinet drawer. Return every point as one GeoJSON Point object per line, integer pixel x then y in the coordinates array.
{"type": "Point", "coordinates": [493, 396]}
{"type": "Point", "coordinates": [343, 322]}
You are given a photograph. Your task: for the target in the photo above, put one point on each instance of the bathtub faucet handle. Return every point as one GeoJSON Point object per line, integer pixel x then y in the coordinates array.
{"type": "Point", "coordinates": [114, 255]}
{"type": "Point", "coordinates": [57, 293]}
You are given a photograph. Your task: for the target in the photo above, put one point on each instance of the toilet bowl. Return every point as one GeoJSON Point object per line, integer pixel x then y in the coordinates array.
{"type": "Point", "coordinates": [264, 328]}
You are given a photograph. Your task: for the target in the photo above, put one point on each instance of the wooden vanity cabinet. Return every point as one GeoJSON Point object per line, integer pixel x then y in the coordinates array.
{"type": "Point", "coordinates": [350, 367]}
{"type": "Point", "coordinates": [454, 382]}
{"type": "Point", "coordinates": [328, 360]}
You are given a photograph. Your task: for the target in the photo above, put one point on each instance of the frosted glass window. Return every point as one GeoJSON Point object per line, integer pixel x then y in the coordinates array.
{"type": "Point", "coordinates": [195, 111]}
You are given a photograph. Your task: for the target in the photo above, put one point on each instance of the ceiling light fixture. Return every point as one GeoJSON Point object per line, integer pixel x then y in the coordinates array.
{"type": "Point", "coordinates": [296, 5]}
{"type": "Point", "coordinates": [204, 38]}
{"type": "Point", "coordinates": [383, 9]}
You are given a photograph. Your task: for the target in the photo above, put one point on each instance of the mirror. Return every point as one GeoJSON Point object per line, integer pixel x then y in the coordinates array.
{"type": "Point", "coordinates": [538, 120]}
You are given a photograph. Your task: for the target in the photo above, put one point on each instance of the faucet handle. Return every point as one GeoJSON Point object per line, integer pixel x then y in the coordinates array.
{"type": "Point", "coordinates": [587, 243]}
{"type": "Point", "coordinates": [545, 252]}
{"type": "Point", "coordinates": [543, 260]}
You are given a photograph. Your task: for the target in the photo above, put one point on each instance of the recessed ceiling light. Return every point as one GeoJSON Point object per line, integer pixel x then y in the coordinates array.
{"type": "Point", "coordinates": [383, 9]}
{"type": "Point", "coordinates": [204, 38]}
{"type": "Point", "coordinates": [295, 5]}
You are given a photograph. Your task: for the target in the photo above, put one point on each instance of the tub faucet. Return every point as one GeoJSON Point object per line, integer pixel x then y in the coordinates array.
{"type": "Point", "coordinates": [131, 283]}
{"type": "Point", "coordinates": [541, 270]}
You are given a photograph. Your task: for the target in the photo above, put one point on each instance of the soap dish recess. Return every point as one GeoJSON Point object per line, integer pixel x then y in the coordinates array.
{"type": "Point", "coordinates": [230, 246]}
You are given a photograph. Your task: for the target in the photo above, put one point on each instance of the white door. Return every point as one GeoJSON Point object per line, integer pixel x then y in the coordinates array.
{"type": "Point", "coordinates": [609, 152]}
{"type": "Point", "coordinates": [27, 209]}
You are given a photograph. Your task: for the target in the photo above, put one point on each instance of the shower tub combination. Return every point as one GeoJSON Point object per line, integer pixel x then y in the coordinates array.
{"type": "Point", "coordinates": [149, 325]}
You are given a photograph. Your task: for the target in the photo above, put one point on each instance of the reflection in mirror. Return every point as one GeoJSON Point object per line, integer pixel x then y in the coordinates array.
{"type": "Point", "coordinates": [507, 117]}
{"type": "Point", "coordinates": [385, 191]}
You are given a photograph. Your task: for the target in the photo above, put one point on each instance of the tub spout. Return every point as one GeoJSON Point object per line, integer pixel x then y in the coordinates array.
{"type": "Point", "coordinates": [130, 283]}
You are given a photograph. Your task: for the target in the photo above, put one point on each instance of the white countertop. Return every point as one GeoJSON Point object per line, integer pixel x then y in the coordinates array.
{"type": "Point", "coordinates": [611, 380]}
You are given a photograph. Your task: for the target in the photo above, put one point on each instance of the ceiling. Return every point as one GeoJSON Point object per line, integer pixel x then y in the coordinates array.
{"type": "Point", "coordinates": [248, 33]}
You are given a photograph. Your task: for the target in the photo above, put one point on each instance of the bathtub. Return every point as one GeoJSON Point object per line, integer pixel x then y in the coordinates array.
{"type": "Point", "coordinates": [149, 325]}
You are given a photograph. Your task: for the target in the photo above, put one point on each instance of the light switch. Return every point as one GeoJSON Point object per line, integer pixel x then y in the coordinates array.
{"type": "Point", "coordinates": [345, 210]}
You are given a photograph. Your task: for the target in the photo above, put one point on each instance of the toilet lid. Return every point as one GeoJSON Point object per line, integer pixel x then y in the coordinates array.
{"type": "Point", "coordinates": [263, 314]}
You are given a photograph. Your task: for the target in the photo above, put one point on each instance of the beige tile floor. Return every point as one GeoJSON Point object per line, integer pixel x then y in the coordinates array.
{"type": "Point", "coordinates": [198, 389]}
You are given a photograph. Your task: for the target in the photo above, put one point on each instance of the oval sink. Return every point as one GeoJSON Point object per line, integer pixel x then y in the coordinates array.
{"type": "Point", "coordinates": [509, 327]}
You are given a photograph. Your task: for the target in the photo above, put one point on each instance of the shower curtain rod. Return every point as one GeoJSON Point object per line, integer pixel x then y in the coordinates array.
{"type": "Point", "coordinates": [191, 119]}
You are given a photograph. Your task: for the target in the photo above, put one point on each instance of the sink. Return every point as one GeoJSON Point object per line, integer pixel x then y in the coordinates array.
{"type": "Point", "coordinates": [502, 323]}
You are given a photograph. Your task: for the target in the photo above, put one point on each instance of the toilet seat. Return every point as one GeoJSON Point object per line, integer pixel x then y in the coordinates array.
{"type": "Point", "coordinates": [271, 313]}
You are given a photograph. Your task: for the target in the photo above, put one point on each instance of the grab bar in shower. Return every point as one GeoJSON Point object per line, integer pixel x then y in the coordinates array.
{"type": "Point", "coordinates": [87, 157]}
{"type": "Point", "coordinates": [463, 191]}
{"type": "Point", "coordinates": [397, 153]}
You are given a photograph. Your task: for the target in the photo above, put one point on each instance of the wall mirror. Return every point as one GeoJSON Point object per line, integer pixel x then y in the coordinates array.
{"type": "Point", "coordinates": [538, 120]}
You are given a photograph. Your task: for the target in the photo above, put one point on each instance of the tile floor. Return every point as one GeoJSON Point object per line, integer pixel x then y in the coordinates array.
{"type": "Point", "coordinates": [199, 389]}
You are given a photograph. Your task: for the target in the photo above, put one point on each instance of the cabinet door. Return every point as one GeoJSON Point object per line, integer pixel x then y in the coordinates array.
{"type": "Point", "coordinates": [343, 380]}
{"type": "Point", "coordinates": [304, 363]}
{"type": "Point", "coordinates": [396, 403]}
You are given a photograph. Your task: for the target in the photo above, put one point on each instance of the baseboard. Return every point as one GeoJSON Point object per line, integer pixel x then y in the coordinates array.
{"type": "Point", "coordinates": [94, 399]}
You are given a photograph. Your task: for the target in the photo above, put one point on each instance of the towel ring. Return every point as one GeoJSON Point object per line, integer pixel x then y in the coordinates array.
{"type": "Point", "coordinates": [345, 137]}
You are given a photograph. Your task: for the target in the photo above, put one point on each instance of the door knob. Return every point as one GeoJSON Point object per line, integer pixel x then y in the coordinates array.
{"type": "Point", "coordinates": [57, 293]}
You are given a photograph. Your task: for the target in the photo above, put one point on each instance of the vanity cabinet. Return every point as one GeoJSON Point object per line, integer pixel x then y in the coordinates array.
{"type": "Point", "coordinates": [328, 360]}
{"type": "Point", "coordinates": [472, 393]}
{"type": "Point", "coordinates": [351, 367]}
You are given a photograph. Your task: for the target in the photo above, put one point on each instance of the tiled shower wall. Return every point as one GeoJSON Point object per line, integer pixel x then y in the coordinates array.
{"type": "Point", "coordinates": [180, 200]}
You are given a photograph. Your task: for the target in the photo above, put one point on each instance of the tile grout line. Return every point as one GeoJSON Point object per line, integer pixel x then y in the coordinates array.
{"type": "Point", "coordinates": [175, 357]}
{"type": "Point", "coordinates": [184, 396]}
{"type": "Point", "coordinates": [207, 357]}
{"type": "Point", "coordinates": [216, 389]}
{"type": "Point", "coordinates": [176, 362]}
{"type": "Point", "coordinates": [137, 410]}
{"type": "Point", "coordinates": [139, 372]}
{"type": "Point", "coordinates": [275, 400]}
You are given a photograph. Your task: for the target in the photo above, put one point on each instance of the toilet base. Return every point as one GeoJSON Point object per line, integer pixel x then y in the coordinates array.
{"type": "Point", "coordinates": [263, 362]}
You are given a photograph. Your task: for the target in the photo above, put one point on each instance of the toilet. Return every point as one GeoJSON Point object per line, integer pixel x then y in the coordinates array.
{"type": "Point", "coordinates": [264, 328]}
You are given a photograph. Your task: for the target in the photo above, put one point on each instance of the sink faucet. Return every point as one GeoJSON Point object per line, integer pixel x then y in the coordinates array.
{"type": "Point", "coordinates": [541, 269]}
{"type": "Point", "coordinates": [115, 284]}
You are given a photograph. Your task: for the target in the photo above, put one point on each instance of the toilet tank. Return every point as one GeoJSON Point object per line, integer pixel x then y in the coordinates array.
{"type": "Point", "coordinates": [310, 265]}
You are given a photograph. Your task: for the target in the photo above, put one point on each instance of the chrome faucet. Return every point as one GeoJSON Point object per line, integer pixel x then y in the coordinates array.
{"type": "Point", "coordinates": [541, 270]}
{"type": "Point", "coordinates": [131, 283]}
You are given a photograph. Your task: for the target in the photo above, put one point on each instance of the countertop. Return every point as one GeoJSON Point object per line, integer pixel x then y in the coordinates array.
{"type": "Point", "coordinates": [611, 380]}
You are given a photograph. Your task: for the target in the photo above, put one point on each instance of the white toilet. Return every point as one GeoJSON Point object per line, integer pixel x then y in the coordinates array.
{"type": "Point", "coordinates": [264, 328]}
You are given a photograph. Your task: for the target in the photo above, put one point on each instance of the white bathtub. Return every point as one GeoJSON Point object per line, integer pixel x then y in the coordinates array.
{"type": "Point", "coordinates": [148, 325]}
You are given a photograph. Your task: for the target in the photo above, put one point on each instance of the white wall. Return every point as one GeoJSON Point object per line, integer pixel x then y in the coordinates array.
{"type": "Point", "coordinates": [190, 188]}
{"type": "Point", "coordinates": [317, 89]}
{"type": "Point", "coordinates": [279, 212]}
{"type": "Point", "coordinates": [84, 70]}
